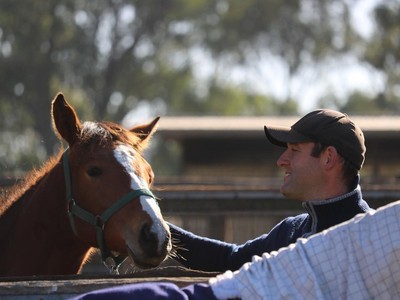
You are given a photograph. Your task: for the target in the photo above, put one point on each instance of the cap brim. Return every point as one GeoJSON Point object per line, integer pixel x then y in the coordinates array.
{"type": "Point", "coordinates": [280, 136]}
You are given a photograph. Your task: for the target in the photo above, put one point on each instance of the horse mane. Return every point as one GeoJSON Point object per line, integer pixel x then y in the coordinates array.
{"type": "Point", "coordinates": [98, 133]}
{"type": "Point", "coordinates": [31, 179]}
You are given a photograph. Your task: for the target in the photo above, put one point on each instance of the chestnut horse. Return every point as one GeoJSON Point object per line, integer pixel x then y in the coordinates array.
{"type": "Point", "coordinates": [95, 194]}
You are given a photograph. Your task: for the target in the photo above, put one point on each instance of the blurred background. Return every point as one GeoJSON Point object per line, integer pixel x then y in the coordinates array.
{"type": "Point", "coordinates": [127, 61]}
{"type": "Point", "coordinates": [216, 71]}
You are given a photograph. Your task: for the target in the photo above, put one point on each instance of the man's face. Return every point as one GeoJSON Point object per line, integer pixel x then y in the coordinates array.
{"type": "Point", "coordinates": [303, 179]}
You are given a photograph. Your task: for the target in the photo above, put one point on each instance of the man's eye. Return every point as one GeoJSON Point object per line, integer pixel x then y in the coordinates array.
{"type": "Point", "coordinates": [94, 172]}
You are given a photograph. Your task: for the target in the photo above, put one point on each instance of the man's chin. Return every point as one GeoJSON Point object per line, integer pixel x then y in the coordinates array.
{"type": "Point", "coordinates": [288, 194]}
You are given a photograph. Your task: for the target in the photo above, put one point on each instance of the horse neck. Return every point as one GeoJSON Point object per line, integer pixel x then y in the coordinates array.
{"type": "Point", "coordinates": [37, 232]}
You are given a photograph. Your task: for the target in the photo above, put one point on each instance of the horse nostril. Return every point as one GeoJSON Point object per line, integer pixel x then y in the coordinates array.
{"type": "Point", "coordinates": [148, 240]}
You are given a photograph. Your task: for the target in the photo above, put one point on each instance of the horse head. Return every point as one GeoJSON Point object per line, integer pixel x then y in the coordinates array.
{"type": "Point", "coordinates": [108, 189]}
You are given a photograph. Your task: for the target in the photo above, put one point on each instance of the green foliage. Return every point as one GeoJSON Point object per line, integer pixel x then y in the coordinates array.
{"type": "Point", "coordinates": [235, 101]}
{"type": "Point", "coordinates": [110, 56]}
{"type": "Point", "coordinates": [360, 103]}
{"type": "Point", "coordinates": [383, 52]}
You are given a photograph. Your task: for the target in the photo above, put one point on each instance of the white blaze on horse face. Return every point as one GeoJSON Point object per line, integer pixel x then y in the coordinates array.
{"type": "Point", "coordinates": [125, 155]}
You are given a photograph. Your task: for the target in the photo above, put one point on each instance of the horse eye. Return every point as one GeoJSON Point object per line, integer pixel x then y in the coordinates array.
{"type": "Point", "coordinates": [94, 172]}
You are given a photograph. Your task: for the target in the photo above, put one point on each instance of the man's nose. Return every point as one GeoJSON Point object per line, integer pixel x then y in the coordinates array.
{"type": "Point", "coordinates": [283, 160]}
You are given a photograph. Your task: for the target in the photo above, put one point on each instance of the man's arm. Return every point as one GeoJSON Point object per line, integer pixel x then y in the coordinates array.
{"type": "Point", "coordinates": [211, 255]}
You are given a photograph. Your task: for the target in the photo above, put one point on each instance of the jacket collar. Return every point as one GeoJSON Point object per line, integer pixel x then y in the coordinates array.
{"type": "Point", "coordinates": [330, 212]}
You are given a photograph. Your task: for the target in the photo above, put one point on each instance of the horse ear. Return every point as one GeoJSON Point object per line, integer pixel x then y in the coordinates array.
{"type": "Point", "coordinates": [65, 119]}
{"type": "Point", "coordinates": [145, 131]}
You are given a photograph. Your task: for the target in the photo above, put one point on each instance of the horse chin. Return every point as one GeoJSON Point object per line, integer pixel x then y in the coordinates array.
{"type": "Point", "coordinates": [145, 262]}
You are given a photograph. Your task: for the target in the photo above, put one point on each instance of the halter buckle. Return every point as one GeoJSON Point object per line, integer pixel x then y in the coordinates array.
{"type": "Point", "coordinates": [71, 204]}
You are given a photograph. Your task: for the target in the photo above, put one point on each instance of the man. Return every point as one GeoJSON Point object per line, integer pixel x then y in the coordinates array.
{"type": "Point", "coordinates": [359, 259]}
{"type": "Point", "coordinates": [324, 152]}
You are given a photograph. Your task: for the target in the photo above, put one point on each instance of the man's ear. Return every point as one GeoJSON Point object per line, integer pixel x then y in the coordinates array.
{"type": "Point", "coordinates": [330, 157]}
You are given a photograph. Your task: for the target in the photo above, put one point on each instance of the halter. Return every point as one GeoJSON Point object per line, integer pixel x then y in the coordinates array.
{"type": "Point", "coordinates": [98, 221]}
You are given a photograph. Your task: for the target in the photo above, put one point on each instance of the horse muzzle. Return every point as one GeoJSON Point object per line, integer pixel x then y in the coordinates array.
{"type": "Point", "coordinates": [153, 245]}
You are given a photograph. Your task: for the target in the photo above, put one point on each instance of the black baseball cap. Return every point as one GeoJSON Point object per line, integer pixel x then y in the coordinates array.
{"type": "Point", "coordinates": [329, 127]}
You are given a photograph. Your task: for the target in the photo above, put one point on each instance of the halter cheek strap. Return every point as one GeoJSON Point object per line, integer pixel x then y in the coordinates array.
{"type": "Point", "coordinates": [98, 221]}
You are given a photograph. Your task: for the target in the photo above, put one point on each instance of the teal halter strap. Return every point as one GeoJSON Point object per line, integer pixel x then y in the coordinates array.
{"type": "Point", "coordinates": [98, 221]}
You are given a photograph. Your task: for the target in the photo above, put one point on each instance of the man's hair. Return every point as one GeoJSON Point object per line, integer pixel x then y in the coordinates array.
{"type": "Point", "coordinates": [349, 171]}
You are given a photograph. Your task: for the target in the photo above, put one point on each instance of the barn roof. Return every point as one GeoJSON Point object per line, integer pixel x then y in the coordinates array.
{"type": "Point", "coordinates": [184, 127]}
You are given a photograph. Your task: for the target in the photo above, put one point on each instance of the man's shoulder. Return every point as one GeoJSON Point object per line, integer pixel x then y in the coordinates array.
{"type": "Point", "coordinates": [298, 218]}
{"type": "Point", "coordinates": [296, 224]}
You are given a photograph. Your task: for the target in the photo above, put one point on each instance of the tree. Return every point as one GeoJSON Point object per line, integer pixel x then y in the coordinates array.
{"type": "Point", "coordinates": [110, 56]}
{"type": "Point", "coordinates": [27, 67]}
{"type": "Point", "coordinates": [383, 52]}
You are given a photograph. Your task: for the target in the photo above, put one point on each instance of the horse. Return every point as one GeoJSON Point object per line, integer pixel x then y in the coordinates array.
{"type": "Point", "coordinates": [94, 194]}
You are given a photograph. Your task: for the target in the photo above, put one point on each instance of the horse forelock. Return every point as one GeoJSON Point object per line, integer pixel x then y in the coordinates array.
{"type": "Point", "coordinates": [107, 132]}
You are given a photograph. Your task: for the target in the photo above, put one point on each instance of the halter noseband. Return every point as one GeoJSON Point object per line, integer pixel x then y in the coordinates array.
{"type": "Point", "coordinates": [98, 221]}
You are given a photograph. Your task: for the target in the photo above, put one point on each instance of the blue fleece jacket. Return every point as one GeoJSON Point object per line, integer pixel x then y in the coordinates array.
{"type": "Point", "coordinates": [211, 255]}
